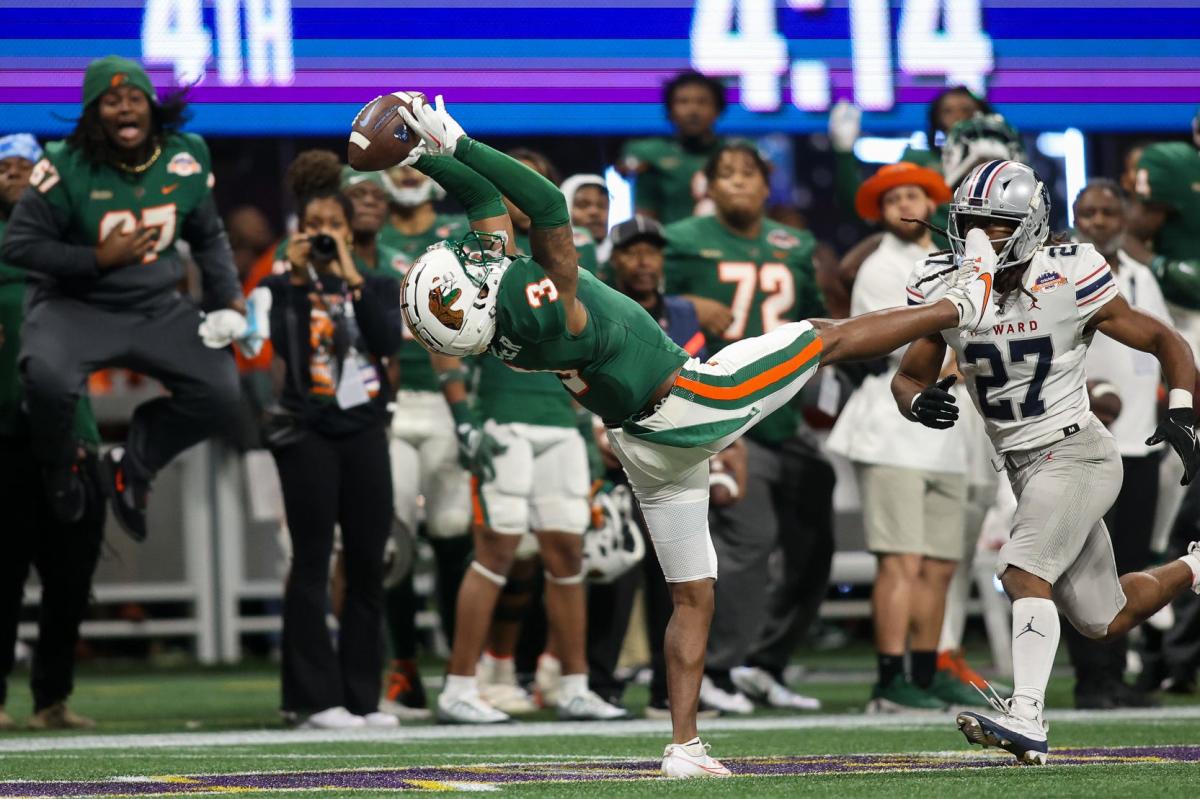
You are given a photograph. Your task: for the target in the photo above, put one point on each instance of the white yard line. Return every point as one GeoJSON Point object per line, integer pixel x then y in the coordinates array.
{"type": "Point", "coordinates": [417, 735]}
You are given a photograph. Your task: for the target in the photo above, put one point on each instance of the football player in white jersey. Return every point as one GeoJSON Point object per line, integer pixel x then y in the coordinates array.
{"type": "Point", "coordinates": [1024, 369]}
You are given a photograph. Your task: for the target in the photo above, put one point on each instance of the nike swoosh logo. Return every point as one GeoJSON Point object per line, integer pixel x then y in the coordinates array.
{"type": "Point", "coordinates": [987, 282]}
{"type": "Point", "coordinates": [169, 189]}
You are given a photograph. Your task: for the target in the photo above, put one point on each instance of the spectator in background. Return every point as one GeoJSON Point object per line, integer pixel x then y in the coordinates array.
{"type": "Point", "coordinates": [1100, 215]}
{"type": "Point", "coordinates": [760, 272]}
{"type": "Point", "coordinates": [64, 553]}
{"type": "Point", "coordinates": [588, 200]}
{"type": "Point", "coordinates": [98, 230]}
{"type": "Point", "coordinates": [671, 184]}
{"type": "Point", "coordinates": [911, 480]}
{"type": "Point", "coordinates": [332, 327]}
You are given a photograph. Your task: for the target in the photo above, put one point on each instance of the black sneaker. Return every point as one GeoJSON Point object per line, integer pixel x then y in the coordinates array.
{"type": "Point", "coordinates": [128, 495]}
{"type": "Point", "coordinates": [66, 493]}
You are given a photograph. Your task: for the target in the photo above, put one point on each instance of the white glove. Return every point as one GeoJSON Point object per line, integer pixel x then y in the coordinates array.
{"type": "Point", "coordinates": [979, 250]}
{"type": "Point", "coordinates": [845, 125]}
{"type": "Point", "coordinates": [220, 328]}
{"type": "Point", "coordinates": [972, 289]}
{"type": "Point", "coordinates": [437, 129]}
{"type": "Point", "coordinates": [415, 153]}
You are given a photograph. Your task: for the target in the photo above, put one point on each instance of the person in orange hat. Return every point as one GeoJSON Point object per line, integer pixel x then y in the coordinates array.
{"type": "Point", "coordinates": [913, 482]}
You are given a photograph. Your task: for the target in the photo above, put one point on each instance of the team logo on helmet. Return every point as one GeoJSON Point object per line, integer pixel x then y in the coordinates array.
{"type": "Point", "coordinates": [441, 299]}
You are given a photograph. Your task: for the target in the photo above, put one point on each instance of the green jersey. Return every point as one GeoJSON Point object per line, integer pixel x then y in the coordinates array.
{"type": "Point", "coordinates": [173, 196]}
{"type": "Point", "coordinates": [416, 370]}
{"type": "Point", "coordinates": [1169, 173]}
{"type": "Point", "coordinates": [670, 175]}
{"type": "Point", "coordinates": [532, 397]}
{"type": "Point", "coordinates": [13, 422]}
{"type": "Point", "coordinates": [612, 367]}
{"type": "Point", "coordinates": [766, 281]}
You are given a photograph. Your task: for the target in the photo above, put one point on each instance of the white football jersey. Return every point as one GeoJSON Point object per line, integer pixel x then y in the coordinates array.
{"type": "Point", "coordinates": [1024, 368]}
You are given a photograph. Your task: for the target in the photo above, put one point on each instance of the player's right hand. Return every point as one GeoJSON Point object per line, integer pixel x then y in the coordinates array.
{"type": "Point", "coordinates": [477, 451]}
{"type": "Point", "coordinates": [935, 406]}
{"type": "Point", "coordinates": [438, 130]}
{"type": "Point", "coordinates": [122, 249]}
{"type": "Point", "coordinates": [845, 125]}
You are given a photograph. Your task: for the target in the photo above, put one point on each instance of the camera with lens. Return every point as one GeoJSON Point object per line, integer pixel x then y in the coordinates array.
{"type": "Point", "coordinates": [323, 247]}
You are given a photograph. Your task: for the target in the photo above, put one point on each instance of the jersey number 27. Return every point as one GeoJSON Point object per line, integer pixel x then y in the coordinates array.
{"type": "Point", "coordinates": [1018, 350]}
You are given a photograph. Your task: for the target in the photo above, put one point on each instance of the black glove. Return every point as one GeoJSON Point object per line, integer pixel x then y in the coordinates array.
{"type": "Point", "coordinates": [1178, 430]}
{"type": "Point", "coordinates": [935, 406]}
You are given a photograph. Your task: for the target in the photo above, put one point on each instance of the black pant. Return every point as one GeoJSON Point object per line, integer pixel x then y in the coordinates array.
{"type": "Point", "coordinates": [328, 481]}
{"type": "Point", "coordinates": [1130, 523]}
{"type": "Point", "coordinates": [64, 340]}
{"type": "Point", "coordinates": [65, 557]}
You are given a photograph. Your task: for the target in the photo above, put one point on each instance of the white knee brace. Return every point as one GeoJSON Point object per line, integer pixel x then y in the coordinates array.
{"type": "Point", "coordinates": [574, 579]}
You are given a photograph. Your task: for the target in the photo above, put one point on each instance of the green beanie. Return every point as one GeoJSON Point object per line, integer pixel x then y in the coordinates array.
{"type": "Point", "coordinates": [352, 177]}
{"type": "Point", "coordinates": [113, 71]}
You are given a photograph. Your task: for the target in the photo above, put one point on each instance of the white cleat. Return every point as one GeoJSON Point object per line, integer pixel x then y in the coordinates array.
{"type": "Point", "coordinates": [380, 720]}
{"type": "Point", "coordinates": [735, 703]}
{"type": "Point", "coordinates": [511, 699]}
{"type": "Point", "coordinates": [1193, 554]}
{"type": "Point", "coordinates": [588, 706]}
{"type": "Point", "coordinates": [333, 718]}
{"type": "Point", "coordinates": [547, 680]}
{"type": "Point", "coordinates": [404, 712]}
{"type": "Point", "coordinates": [1024, 738]}
{"type": "Point", "coordinates": [689, 760]}
{"type": "Point", "coordinates": [760, 686]}
{"type": "Point", "coordinates": [468, 709]}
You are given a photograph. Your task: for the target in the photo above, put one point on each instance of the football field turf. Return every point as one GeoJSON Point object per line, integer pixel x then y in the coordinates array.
{"type": "Point", "coordinates": [216, 732]}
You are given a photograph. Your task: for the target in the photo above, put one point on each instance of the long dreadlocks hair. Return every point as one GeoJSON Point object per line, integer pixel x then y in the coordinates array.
{"type": "Point", "coordinates": [166, 117]}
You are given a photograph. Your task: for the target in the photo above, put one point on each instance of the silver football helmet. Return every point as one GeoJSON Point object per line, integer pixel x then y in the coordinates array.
{"type": "Point", "coordinates": [1007, 191]}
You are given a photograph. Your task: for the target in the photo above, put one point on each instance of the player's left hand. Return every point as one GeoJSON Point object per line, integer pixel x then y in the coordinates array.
{"type": "Point", "coordinates": [220, 328]}
{"type": "Point", "coordinates": [438, 130]}
{"type": "Point", "coordinates": [1178, 430]}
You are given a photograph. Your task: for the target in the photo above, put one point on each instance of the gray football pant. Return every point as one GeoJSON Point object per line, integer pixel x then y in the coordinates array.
{"type": "Point", "coordinates": [788, 505]}
{"type": "Point", "coordinates": [64, 340]}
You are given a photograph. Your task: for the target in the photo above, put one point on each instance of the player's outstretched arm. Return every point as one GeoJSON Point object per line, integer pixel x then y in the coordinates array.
{"type": "Point", "coordinates": [480, 200]}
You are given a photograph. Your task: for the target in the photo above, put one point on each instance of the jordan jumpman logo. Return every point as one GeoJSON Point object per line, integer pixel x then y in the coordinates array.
{"type": "Point", "coordinates": [1029, 629]}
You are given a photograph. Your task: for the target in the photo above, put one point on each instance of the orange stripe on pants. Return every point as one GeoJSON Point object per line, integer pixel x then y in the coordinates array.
{"type": "Point", "coordinates": [756, 383]}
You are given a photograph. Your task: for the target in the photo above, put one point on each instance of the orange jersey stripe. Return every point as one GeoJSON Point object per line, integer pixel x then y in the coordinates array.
{"type": "Point", "coordinates": [756, 383]}
{"type": "Point", "coordinates": [477, 503]}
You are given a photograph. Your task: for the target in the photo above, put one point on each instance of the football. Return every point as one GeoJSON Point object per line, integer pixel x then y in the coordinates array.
{"type": "Point", "coordinates": [379, 137]}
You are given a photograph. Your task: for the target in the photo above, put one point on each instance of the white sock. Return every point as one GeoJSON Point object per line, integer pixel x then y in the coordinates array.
{"type": "Point", "coordinates": [573, 685]}
{"type": "Point", "coordinates": [459, 685]}
{"type": "Point", "coordinates": [1035, 641]}
{"type": "Point", "coordinates": [1193, 563]}
{"type": "Point", "coordinates": [503, 669]}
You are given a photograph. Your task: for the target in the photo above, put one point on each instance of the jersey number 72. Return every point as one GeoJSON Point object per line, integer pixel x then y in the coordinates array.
{"type": "Point", "coordinates": [1018, 350]}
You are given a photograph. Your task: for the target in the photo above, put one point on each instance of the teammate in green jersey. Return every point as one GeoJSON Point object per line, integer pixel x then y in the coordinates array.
{"type": "Point", "coordinates": [1168, 184]}
{"type": "Point", "coordinates": [669, 171]}
{"type": "Point", "coordinates": [64, 554]}
{"type": "Point", "coordinates": [100, 224]}
{"type": "Point", "coordinates": [666, 413]}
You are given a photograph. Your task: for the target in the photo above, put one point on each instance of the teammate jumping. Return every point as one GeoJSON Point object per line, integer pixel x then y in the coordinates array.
{"type": "Point", "coordinates": [1024, 367]}
{"type": "Point", "coordinates": [666, 413]}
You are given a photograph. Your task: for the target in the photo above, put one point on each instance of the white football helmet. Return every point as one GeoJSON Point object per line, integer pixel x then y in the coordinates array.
{"type": "Point", "coordinates": [616, 546]}
{"type": "Point", "coordinates": [1002, 190]}
{"type": "Point", "coordinates": [449, 294]}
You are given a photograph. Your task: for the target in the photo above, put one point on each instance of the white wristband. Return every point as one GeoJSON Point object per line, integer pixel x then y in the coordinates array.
{"type": "Point", "coordinates": [1179, 398]}
{"type": "Point", "coordinates": [723, 479]}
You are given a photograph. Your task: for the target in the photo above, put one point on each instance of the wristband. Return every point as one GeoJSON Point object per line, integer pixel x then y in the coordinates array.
{"type": "Point", "coordinates": [452, 375]}
{"type": "Point", "coordinates": [724, 479]}
{"type": "Point", "coordinates": [1179, 398]}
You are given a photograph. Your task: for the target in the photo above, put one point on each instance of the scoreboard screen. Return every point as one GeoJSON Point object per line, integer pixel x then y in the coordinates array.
{"type": "Point", "coordinates": [285, 67]}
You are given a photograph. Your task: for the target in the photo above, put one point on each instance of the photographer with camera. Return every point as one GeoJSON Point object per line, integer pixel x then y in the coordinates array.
{"type": "Point", "coordinates": [332, 328]}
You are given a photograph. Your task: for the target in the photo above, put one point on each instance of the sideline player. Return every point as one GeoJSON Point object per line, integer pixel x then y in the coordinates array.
{"type": "Point", "coordinates": [1024, 368]}
{"type": "Point", "coordinates": [666, 413]}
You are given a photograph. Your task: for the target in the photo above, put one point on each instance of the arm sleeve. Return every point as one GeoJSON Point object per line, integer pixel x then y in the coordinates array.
{"type": "Point", "coordinates": [529, 191]}
{"type": "Point", "coordinates": [203, 230]}
{"type": "Point", "coordinates": [476, 193]}
{"type": "Point", "coordinates": [377, 311]}
{"type": "Point", "coordinates": [34, 239]}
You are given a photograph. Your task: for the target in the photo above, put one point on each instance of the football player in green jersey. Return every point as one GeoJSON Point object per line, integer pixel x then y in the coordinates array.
{"type": "Point", "coordinates": [669, 171]}
{"type": "Point", "coordinates": [763, 271]}
{"type": "Point", "coordinates": [666, 413]}
{"type": "Point", "coordinates": [1168, 184]}
{"type": "Point", "coordinates": [64, 554]}
{"type": "Point", "coordinates": [99, 224]}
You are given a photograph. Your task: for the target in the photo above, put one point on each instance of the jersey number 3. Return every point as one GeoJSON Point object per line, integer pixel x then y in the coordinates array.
{"type": "Point", "coordinates": [1018, 350]}
{"type": "Point", "coordinates": [543, 289]}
